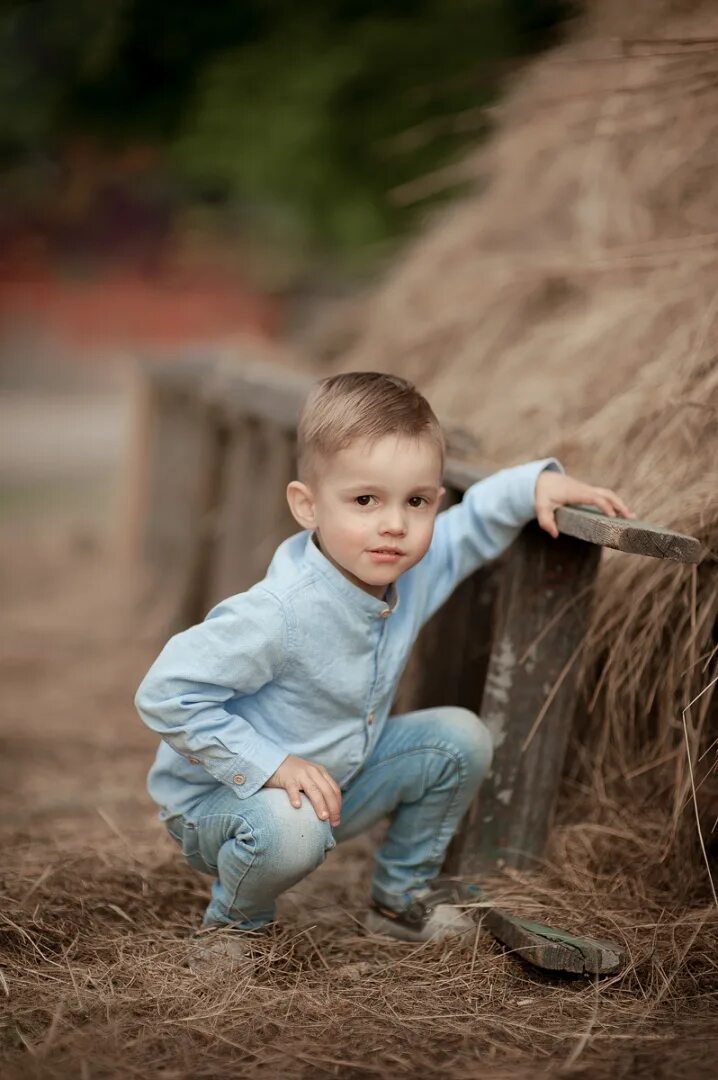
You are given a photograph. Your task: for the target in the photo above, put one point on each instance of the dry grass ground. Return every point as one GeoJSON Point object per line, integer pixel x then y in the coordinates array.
{"type": "Point", "coordinates": [95, 904]}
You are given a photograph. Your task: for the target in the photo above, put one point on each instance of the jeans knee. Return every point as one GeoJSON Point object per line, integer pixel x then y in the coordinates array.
{"type": "Point", "coordinates": [470, 739]}
{"type": "Point", "coordinates": [300, 839]}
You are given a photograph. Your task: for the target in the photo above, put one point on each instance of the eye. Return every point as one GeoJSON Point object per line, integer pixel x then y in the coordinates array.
{"type": "Point", "coordinates": [364, 500]}
{"type": "Point", "coordinates": [416, 501]}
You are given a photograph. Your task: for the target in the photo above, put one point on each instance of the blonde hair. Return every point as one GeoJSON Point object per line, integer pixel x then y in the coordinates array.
{"type": "Point", "coordinates": [361, 405]}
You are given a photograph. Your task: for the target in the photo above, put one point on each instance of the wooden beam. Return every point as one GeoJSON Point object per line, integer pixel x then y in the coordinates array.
{"type": "Point", "coordinates": [252, 515]}
{"type": "Point", "coordinates": [179, 490]}
{"type": "Point", "coordinates": [624, 534]}
{"type": "Point", "coordinates": [260, 390]}
{"type": "Point", "coordinates": [541, 615]}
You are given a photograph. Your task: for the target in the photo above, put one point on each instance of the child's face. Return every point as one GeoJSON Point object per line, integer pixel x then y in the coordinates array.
{"type": "Point", "coordinates": [374, 507]}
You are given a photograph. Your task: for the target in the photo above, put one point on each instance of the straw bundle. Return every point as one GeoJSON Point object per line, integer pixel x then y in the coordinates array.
{"type": "Point", "coordinates": [570, 306]}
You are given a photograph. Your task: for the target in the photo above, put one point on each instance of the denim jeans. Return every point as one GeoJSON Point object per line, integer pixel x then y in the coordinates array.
{"type": "Point", "coordinates": [423, 773]}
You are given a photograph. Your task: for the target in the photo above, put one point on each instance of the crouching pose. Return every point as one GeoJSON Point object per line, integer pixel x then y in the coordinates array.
{"type": "Point", "coordinates": [277, 742]}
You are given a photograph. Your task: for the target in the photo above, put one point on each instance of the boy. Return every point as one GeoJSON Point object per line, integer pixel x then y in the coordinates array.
{"type": "Point", "coordinates": [274, 712]}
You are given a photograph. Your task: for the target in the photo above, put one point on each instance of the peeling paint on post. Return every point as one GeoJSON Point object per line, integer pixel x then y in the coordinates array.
{"type": "Point", "coordinates": [498, 690]}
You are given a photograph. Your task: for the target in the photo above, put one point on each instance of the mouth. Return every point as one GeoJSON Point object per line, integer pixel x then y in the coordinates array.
{"type": "Point", "coordinates": [385, 554]}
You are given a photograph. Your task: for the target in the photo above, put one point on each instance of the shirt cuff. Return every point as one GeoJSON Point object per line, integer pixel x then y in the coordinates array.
{"type": "Point", "coordinates": [246, 777]}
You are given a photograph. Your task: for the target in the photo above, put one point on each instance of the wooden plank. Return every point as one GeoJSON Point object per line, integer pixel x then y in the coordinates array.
{"type": "Point", "coordinates": [252, 516]}
{"type": "Point", "coordinates": [541, 616]}
{"type": "Point", "coordinates": [553, 949]}
{"type": "Point", "coordinates": [262, 391]}
{"type": "Point", "coordinates": [181, 468]}
{"type": "Point", "coordinates": [229, 572]}
{"type": "Point", "coordinates": [624, 534]}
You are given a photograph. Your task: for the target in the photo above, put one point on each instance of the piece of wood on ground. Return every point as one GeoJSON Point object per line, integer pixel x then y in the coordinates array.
{"type": "Point", "coordinates": [553, 949]}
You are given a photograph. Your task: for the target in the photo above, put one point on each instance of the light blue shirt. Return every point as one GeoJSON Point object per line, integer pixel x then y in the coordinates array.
{"type": "Point", "coordinates": [305, 662]}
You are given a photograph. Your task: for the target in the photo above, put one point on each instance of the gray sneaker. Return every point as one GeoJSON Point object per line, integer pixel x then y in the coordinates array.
{"type": "Point", "coordinates": [223, 949]}
{"type": "Point", "coordinates": [442, 909]}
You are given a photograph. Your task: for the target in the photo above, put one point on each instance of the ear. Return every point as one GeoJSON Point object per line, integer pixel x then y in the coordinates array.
{"type": "Point", "coordinates": [442, 493]}
{"type": "Point", "coordinates": [301, 503]}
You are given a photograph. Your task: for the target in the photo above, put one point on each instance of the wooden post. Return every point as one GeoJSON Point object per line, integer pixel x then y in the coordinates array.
{"type": "Point", "coordinates": [181, 471]}
{"type": "Point", "coordinates": [529, 698]}
{"type": "Point", "coordinates": [252, 515]}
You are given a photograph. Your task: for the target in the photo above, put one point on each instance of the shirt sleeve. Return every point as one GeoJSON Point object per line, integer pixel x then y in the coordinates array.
{"type": "Point", "coordinates": [480, 527]}
{"type": "Point", "coordinates": [240, 647]}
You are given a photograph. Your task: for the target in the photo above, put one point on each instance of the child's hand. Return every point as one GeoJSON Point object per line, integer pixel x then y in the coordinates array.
{"type": "Point", "coordinates": [555, 489]}
{"type": "Point", "coordinates": [295, 775]}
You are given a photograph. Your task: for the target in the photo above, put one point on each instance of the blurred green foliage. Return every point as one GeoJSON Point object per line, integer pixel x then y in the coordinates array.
{"type": "Point", "coordinates": [310, 118]}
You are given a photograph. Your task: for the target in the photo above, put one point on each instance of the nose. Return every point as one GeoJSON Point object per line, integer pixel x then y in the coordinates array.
{"type": "Point", "coordinates": [393, 523]}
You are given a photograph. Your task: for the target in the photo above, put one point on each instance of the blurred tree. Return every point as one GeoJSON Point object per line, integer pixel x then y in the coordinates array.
{"type": "Point", "coordinates": [318, 117]}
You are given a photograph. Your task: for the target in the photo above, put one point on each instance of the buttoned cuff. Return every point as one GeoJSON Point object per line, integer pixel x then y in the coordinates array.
{"type": "Point", "coordinates": [246, 776]}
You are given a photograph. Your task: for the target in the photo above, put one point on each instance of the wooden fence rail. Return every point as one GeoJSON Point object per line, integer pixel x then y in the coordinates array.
{"type": "Point", "coordinates": [220, 450]}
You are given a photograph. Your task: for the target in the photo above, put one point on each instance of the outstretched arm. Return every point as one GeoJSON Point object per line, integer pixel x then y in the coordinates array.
{"type": "Point", "coordinates": [491, 515]}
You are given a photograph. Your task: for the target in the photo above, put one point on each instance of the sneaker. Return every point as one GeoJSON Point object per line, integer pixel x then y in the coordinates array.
{"type": "Point", "coordinates": [437, 911]}
{"type": "Point", "coordinates": [221, 948]}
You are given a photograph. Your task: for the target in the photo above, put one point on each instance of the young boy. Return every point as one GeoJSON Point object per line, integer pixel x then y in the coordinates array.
{"type": "Point", "coordinates": [274, 712]}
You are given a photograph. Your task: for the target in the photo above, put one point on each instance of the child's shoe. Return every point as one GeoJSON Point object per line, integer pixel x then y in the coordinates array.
{"type": "Point", "coordinates": [441, 909]}
{"type": "Point", "coordinates": [221, 948]}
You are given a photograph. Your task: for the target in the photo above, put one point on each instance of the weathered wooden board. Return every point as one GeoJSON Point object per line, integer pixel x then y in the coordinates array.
{"type": "Point", "coordinates": [552, 949]}
{"type": "Point", "coordinates": [252, 516]}
{"type": "Point", "coordinates": [625, 534]}
{"type": "Point", "coordinates": [262, 391]}
{"type": "Point", "coordinates": [540, 619]}
{"type": "Point", "coordinates": [179, 487]}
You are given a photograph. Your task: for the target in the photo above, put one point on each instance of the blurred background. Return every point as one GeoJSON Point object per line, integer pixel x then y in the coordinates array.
{"type": "Point", "coordinates": [179, 174]}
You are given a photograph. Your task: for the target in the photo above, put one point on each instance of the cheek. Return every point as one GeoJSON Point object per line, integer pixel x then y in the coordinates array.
{"type": "Point", "coordinates": [423, 536]}
{"type": "Point", "coordinates": [350, 532]}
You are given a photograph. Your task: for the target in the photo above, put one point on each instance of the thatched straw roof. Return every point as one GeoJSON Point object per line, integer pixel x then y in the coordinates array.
{"type": "Point", "coordinates": [570, 305]}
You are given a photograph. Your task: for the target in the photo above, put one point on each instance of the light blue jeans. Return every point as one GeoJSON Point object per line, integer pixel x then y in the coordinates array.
{"type": "Point", "coordinates": [423, 772]}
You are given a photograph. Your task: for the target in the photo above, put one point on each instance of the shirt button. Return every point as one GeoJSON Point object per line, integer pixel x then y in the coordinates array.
{"type": "Point", "coordinates": [385, 613]}
{"type": "Point", "coordinates": [193, 760]}
{"type": "Point", "coordinates": [370, 718]}
{"type": "Point", "coordinates": [238, 778]}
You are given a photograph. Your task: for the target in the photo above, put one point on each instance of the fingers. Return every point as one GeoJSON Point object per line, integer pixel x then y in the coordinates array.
{"type": "Point", "coordinates": [603, 504]}
{"type": "Point", "coordinates": [322, 791]}
{"type": "Point", "coordinates": [326, 796]}
{"type": "Point", "coordinates": [295, 798]}
{"type": "Point", "coordinates": [546, 519]}
{"type": "Point", "coordinates": [609, 503]}
{"type": "Point", "coordinates": [617, 502]}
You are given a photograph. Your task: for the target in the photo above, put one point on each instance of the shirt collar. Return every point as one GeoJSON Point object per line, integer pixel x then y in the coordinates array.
{"type": "Point", "coordinates": [358, 598]}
